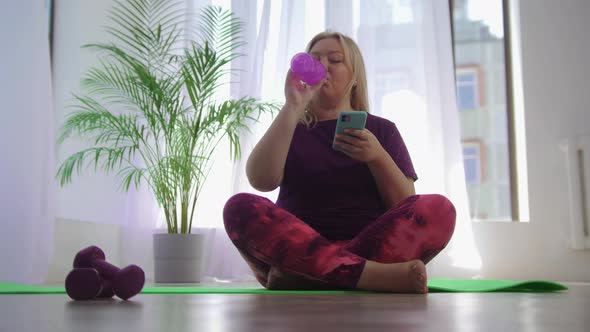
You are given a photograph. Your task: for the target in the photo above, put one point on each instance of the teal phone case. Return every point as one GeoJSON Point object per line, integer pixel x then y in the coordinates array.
{"type": "Point", "coordinates": [349, 119]}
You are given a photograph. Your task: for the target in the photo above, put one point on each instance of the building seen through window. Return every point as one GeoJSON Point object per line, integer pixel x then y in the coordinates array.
{"type": "Point", "coordinates": [396, 64]}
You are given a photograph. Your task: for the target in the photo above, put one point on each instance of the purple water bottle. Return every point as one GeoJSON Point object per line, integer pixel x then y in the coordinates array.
{"type": "Point", "coordinates": [308, 69]}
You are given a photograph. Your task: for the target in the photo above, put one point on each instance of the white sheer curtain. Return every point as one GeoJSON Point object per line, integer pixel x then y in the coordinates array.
{"type": "Point", "coordinates": [26, 143]}
{"type": "Point", "coordinates": [274, 31]}
{"type": "Point", "coordinates": [408, 51]}
{"type": "Point", "coordinates": [224, 262]}
{"type": "Point", "coordinates": [120, 223]}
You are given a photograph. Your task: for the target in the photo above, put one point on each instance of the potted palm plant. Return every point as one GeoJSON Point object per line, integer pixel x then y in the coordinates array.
{"type": "Point", "coordinates": [149, 114]}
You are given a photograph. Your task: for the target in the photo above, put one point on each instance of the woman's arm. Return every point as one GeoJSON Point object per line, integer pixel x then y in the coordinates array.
{"type": "Point", "coordinates": [266, 163]}
{"type": "Point", "coordinates": [392, 183]}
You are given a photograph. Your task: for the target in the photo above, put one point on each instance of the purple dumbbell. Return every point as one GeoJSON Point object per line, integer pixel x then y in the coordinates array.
{"type": "Point", "coordinates": [86, 256]}
{"type": "Point", "coordinates": [124, 283]}
{"type": "Point", "coordinates": [83, 284]}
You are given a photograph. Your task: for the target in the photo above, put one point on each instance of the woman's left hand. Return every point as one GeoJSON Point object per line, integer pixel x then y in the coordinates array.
{"type": "Point", "coordinates": [361, 145]}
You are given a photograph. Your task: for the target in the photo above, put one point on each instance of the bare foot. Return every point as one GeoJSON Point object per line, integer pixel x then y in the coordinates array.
{"type": "Point", "coordinates": [279, 280]}
{"type": "Point", "coordinates": [407, 277]}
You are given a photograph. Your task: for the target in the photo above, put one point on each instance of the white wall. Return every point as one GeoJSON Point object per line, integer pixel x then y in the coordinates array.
{"type": "Point", "coordinates": [78, 22]}
{"type": "Point", "coordinates": [73, 235]}
{"type": "Point", "coordinates": [82, 220]}
{"type": "Point", "coordinates": [556, 77]}
{"type": "Point", "coordinates": [26, 142]}
{"type": "Point", "coordinates": [555, 49]}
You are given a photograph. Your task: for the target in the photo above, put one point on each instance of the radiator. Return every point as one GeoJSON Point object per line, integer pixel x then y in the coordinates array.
{"type": "Point", "coordinates": [577, 159]}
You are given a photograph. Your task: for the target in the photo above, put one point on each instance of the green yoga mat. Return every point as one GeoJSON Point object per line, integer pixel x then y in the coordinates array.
{"type": "Point", "coordinates": [434, 286]}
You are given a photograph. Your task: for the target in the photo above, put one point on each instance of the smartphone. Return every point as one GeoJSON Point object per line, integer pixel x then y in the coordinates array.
{"type": "Point", "coordinates": [349, 119]}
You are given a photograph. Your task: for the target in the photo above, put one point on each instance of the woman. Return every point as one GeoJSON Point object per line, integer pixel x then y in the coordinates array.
{"type": "Point", "coordinates": [343, 219]}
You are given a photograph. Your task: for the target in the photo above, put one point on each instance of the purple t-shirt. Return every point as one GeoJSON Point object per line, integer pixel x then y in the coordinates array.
{"type": "Point", "coordinates": [331, 192]}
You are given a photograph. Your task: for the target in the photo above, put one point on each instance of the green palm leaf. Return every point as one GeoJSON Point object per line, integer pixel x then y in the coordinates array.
{"type": "Point", "coordinates": [147, 109]}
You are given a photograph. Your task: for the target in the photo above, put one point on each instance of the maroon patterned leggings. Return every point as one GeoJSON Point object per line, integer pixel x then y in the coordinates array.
{"type": "Point", "coordinates": [419, 227]}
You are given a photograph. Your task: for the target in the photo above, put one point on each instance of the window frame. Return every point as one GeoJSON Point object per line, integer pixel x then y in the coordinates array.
{"type": "Point", "coordinates": [51, 25]}
{"type": "Point", "coordinates": [510, 103]}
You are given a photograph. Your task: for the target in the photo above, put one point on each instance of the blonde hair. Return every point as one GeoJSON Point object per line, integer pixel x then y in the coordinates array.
{"type": "Point", "coordinates": [357, 89]}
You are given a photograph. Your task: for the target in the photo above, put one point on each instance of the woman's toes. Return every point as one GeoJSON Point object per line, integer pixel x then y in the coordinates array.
{"type": "Point", "coordinates": [421, 287]}
{"type": "Point", "coordinates": [419, 276]}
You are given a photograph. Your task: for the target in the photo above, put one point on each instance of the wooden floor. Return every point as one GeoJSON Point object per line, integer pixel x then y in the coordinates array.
{"type": "Point", "coordinates": [504, 312]}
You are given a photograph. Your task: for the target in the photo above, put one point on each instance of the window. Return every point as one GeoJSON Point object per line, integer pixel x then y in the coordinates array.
{"type": "Point", "coordinates": [480, 53]}
{"type": "Point", "coordinates": [468, 88]}
{"type": "Point", "coordinates": [473, 162]}
{"type": "Point", "coordinates": [402, 11]}
{"type": "Point", "coordinates": [390, 81]}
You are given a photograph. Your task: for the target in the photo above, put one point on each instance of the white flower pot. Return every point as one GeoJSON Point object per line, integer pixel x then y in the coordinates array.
{"type": "Point", "coordinates": [178, 258]}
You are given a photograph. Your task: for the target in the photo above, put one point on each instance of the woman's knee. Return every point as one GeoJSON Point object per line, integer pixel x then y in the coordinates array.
{"type": "Point", "coordinates": [245, 209]}
{"type": "Point", "coordinates": [236, 208]}
{"type": "Point", "coordinates": [440, 202]}
{"type": "Point", "coordinates": [437, 209]}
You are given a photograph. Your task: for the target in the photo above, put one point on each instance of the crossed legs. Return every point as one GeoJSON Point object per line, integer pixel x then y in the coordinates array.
{"type": "Point", "coordinates": [388, 255]}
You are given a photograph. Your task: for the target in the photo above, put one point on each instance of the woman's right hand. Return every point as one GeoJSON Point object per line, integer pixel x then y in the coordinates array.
{"type": "Point", "coordinates": [298, 95]}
